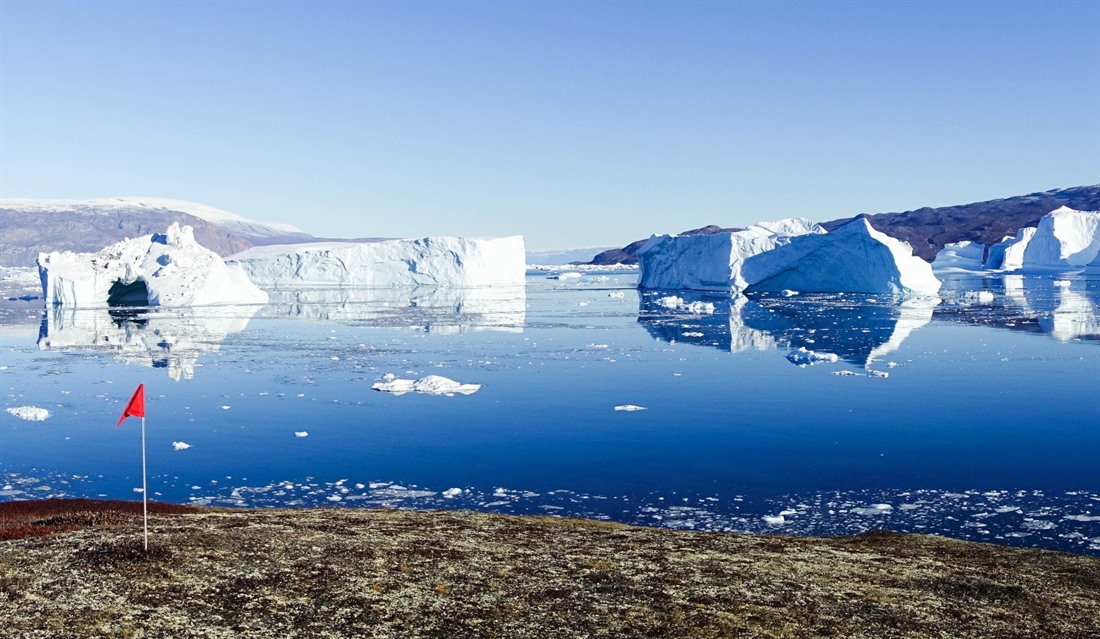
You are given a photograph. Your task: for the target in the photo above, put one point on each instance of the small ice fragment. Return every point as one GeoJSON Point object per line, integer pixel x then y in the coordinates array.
{"type": "Point", "coordinates": [630, 408]}
{"type": "Point", "coordinates": [617, 295]}
{"type": "Point", "coordinates": [774, 520]}
{"type": "Point", "coordinates": [1062, 283]}
{"type": "Point", "coordinates": [180, 445]}
{"type": "Point", "coordinates": [788, 292]}
{"type": "Point", "coordinates": [225, 407]}
{"type": "Point", "coordinates": [301, 433]}
{"type": "Point", "coordinates": [804, 357]}
{"type": "Point", "coordinates": [874, 509]}
{"type": "Point", "coordinates": [30, 413]}
{"type": "Point", "coordinates": [431, 385]}
{"type": "Point", "coordinates": [700, 308]}
{"type": "Point", "coordinates": [451, 493]}
{"type": "Point", "coordinates": [878, 374]}
{"type": "Point", "coordinates": [671, 302]}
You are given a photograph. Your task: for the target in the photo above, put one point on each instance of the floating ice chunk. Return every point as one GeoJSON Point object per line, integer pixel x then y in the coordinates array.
{"type": "Point", "coordinates": [774, 520]}
{"type": "Point", "coordinates": [874, 510]}
{"type": "Point", "coordinates": [451, 493]}
{"type": "Point", "coordinates": [630, 408]}
{"type": "Point", "coordinates": [1062, 283]}
{"type": "Point", "coordinates": [617, 295]}
{"type": "Point", "coordinates": [301, 433]}
{"type": "Point", "coordinates": [844, 373]}
{"type": "Point", "coordinates": [878, 374]}
{"type": "Point", "coordinates": [788, 292]}
{"type": "Point", "coordinates": [700, 308]}
{"type": "Point", "coordinates": [1082, 517]}
{"type": "Point", "coordinates": [803, 357]}
{"type": "Point", "coordinates": [570, 275]}
{"type": "Point", "coordinates": [30, 413]}
{"type": "Point", "coordinates": [671, 302]}
{"type": "Point", "coordinates": [430, 385]}
{"type": "Point", "coordinates": [224, 407]}
{"type": "Point", "coordinates": [180, 445]}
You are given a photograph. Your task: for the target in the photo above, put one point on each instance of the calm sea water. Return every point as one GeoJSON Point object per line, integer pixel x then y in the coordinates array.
{"type": "Point", "coordinates": [977, 417]}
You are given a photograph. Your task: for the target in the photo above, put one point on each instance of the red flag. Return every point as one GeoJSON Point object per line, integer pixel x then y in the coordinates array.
{"type": "Point", "coordinates": [136, 407]}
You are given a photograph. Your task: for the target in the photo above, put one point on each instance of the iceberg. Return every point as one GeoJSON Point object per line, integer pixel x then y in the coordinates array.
{"type": "Point", "coordinates": [431, 261]}
{"type": "Point", "coordinates": [1065, 238]}
{"type": "Point", "coordinates": [169, 269]}
{"type": "Point", "coordinates": [1008, 254]}
{"type": "Point", "coordinates": [966, 255]}
{"type": "Point", "coordinates": [713, 262]}
{"type": "Point", "coordinates": [854, 258]}
{"type": "Point", "coordinates": [789, 255]}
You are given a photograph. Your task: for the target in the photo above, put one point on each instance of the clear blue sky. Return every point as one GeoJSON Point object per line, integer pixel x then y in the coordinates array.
{"type": "Point", "coordinates": [575, 124]}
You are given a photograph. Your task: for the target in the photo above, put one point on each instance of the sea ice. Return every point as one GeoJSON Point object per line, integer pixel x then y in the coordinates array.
{"type": "Point", "coordinates": [430, 385]}
{"type": "Point", "coordinates": [630, 408]}
{"type": "Point", "coordinates": [180, 445]}
{"type": "Point", "coordinates": [30, 413]}
{"type": "Point", "coordinates": [301, 433]}
{"type": "Point", "coordinates": [1008, 254]}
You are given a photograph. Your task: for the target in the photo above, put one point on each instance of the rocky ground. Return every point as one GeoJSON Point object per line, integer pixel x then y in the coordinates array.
{"type": "Point", "coordinates": [77, 569]}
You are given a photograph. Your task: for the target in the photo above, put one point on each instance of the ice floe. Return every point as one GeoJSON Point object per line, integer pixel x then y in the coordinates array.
{"type": "Point", "coordinates": [30, 413]}
{"type": "Point", "coordinates": [430, 385]}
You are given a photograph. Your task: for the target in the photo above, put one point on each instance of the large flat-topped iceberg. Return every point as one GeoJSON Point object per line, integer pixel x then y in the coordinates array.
{"type": "Point", "coordinates": [432, 261]}
{"type": "Point", "coordinates": [713, 262]}
{"type": "Point", "coordinates": [169, 269]}
{"type": "Point", "coordinates": [1065, 239]}
{"type": "Point", "coordinates": [854, 258]}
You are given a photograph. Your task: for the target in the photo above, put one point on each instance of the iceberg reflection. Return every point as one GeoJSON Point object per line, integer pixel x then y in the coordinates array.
{"type": "Point", "coordinates": [856, 328]}
{"type": "Point", "coordinates": [1066, 307]}
{"type": "Point", "coordinates": [432, 309]}
{"type": "Point", "coordinates": [170, 339]}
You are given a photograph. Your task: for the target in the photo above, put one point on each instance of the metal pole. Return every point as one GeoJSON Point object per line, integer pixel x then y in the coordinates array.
{"type": "Point", "coordinates": [144, 487]}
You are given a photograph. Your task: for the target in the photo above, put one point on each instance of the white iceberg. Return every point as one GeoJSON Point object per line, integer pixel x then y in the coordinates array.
{"type": "Point", "coordinates": [803, 357]}
{"type": "Point", "coordinates": [1065, 238]}
{"type": "Point", "coordinates": [966, 255]}
{"type": "Point", "coordinates": [180, 445]}
{"type": "Point", "coordinates": [169, 269]}
{"type": "Point", "coordinates": [790, 255]}
{"type": "Point", "coordinates": [1008, 254]}
{"type": "Point", "coordinates": [713, 262]}
{"type": "Point", "coordinates": [431, 261]}
{"type": "Point", "coordinates": [630, 408]}
{"type": "Point", "coordinates": [430, 385]}
{"type": "Point", "coordinates": [854, 258]}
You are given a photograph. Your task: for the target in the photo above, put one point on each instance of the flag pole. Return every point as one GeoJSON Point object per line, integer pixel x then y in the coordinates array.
{"type": "Point", "coordinates": [144, 487]}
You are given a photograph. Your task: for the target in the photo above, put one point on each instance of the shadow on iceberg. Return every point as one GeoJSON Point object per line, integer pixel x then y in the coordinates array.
{"type": "Point", "coordinates": [855, 328]}
{"type": "Point", "coordinates": [442, 310]}
{"type": "Point", "coordinates": [172, 340]}
{"type": "Point", "coordinates": [1065, 306]}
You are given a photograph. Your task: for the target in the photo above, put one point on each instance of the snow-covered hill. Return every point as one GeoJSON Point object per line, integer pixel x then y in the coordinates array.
{"type": "Point", "coordinates": [28, 227]}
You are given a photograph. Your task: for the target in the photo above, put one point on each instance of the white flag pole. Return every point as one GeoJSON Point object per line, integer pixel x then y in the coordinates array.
{"type": "Point", "coordinates": [144, 487]}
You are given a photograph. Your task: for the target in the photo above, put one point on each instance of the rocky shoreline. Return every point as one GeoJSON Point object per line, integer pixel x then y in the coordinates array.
{"type": "Point", "coordinates": [75, 568]}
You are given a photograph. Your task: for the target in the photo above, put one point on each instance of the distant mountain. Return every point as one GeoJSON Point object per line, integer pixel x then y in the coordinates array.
{"type": "Point", "coordinates": [564, 256]}
{"type": "Point", "coordinates": [28, 227]}
{"type": "Point", "coordinates": [929, 229]}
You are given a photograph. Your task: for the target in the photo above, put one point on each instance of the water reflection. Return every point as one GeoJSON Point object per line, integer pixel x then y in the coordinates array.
{"type": "Point", "coordinates": [1066, 307]}
{"type": "Point", "coordinates": [856, 328]}
{"type": "Point", "coordinates": [168, 339]}
{"type": "Point", "coordinates": [436, 310]}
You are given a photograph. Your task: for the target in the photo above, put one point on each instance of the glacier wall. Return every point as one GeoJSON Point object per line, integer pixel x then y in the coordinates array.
{"type": "Point", "coordinates": [431, 261]}
{"type": "Point", "coordinates": [169, 269]}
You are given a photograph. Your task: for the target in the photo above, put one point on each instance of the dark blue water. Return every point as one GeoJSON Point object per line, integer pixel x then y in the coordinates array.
{"type": "Point", "coordinates": [976, 417]}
